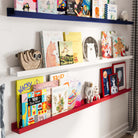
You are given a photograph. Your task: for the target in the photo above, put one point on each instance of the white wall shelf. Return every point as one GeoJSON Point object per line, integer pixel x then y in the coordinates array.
{"type": "Point", "coordinates": [18, 72]}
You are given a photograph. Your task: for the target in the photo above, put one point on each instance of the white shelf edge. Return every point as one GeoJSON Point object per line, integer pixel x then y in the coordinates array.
{"type": "Point", "coordinates": [18, 72]}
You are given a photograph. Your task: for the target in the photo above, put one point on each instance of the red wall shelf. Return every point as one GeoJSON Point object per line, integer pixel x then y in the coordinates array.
{"type": "Point", "coordinates": [84, 106]}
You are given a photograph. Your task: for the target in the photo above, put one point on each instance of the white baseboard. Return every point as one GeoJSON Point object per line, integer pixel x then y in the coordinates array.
{"type": "Point", "coordinates": [118, 132]}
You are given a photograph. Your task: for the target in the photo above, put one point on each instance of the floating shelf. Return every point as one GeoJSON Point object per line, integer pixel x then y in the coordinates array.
{"type": "Point", "coordinates": [83, 106]}
{"type": "Point", "coordinates": [18, 72]}
{"type": "Point", "coordinates": [12, 13]}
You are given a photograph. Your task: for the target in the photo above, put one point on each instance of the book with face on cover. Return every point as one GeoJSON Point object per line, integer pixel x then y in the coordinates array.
{"type": "Point", "coordinates": [49, 45]}
{"type": "Point", "coordinates": [25, 5]}
{"type": "Point", "coordinates": [59, 99]}
{"type": "Point", "coordinates": [24, 86]}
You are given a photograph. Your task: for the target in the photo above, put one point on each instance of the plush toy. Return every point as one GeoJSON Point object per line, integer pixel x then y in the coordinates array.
{"type": "Point", "coordinates": [96, 95]}
{"type": "Point", "coordinates": [30, 59]}
{"type": "Point", "coordinates": [124, 16]}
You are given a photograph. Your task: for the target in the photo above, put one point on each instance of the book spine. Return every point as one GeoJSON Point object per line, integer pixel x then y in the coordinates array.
{"type": "Point", "coordinates": [20, 123]}
{"type": "Point", "coordinates": [106, 11]}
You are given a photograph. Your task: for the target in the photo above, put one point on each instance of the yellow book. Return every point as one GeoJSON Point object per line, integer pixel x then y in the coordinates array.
{"type": "Point", "coordinates": [76, 39]}
{"type": "Point", "coordinates": [24, 86]}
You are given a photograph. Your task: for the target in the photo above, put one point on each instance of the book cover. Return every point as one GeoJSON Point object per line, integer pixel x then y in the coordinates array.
{"type": "Point", "coordinates": [74, 94]}
{"type": "Point", "coordinates": [46, 85]}
{"type": "Point", "coordinates": [106, 41]}
{"type": "Point", "coordinates": [111, 11]}
{"type": "Point", "coordinates": [47, 6]}
{"type": "Point", "coordinates": [35, 107]}
{"type": "Point", "coordinates": [25, 5]}
{"type": "Point", "coordinates": [61, 5]}
{"type": "Point", "coordinates": [59, 99]}
{"type": "Point", "coordinates": [65, 52]}
{"type": "Point", "coordinates": [118, 46]}
{"type": "Point", "coordinates": [24, 86]}
{"type": "Point", "coordinates": [49, 44]}
{"type": "Point", "coordinates": [95, 8]}
{"type": "Point", "coordinates": [62, 77]}
{"type": "Point", "coordinates": [86, 8]}
{"type": "Point", "coordinates": [76, 39]}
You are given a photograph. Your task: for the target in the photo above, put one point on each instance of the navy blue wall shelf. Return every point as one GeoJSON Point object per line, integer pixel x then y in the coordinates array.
{"type": "Point", "coordinates": [12, 13]}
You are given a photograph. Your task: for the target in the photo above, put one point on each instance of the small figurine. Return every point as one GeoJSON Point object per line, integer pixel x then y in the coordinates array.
{"type": "Point", "coordinates": [30, 59]}
{"type": "Point", "coordinates": [124, 16]}
{"type": "Point", "coordinates": [89, 93]}
{"type": "Point", "coordinates": [96, 95]}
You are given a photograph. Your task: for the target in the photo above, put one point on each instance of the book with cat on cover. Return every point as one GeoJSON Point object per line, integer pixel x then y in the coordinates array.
{"type": "Point", "coordinates": [59, 99]}
{"type": "Point", "coordinates": [35, 107]}
{"type": "Point", "coordinates": [65, 52]}
{"type": "Point", "coordinates": [49, 45]}
{"type": "Point", "coordinates": [24, 86]}
{"type": "Point", "coordinates": [76, 39]}
{"type": "Point", "coordinates": [25, 5]}
{"type": "Point", "coordinates": [47, 6]}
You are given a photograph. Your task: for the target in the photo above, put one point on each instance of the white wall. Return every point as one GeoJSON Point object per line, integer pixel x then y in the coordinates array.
{"type": "Point", "coordinates": [103, 120]}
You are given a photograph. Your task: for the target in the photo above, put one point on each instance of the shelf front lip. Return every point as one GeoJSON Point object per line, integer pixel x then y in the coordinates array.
{"type": "Point", "coordinates": [15, 71]}
{"type": "Point", "coordinates": [25, 129]}
{"type": "Point", "coordinates": [12, 13]}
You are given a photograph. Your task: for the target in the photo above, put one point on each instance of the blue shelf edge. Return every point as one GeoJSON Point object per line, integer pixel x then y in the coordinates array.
{"type": "Point", "coordinates": [12, 13]}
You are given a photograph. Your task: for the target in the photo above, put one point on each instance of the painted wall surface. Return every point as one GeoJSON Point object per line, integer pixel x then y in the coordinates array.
{"type": "Point", "coordinates": [104, 120]}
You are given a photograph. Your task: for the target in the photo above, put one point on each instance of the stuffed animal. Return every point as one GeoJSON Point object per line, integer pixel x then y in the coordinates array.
{"type": "Point", "coordinates": [30, 59]}
{"type": "Point", "coordinates": [96, 95]}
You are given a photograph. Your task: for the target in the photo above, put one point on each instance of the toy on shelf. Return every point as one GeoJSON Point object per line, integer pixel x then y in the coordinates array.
{"type": "Point", "coordinates": [124, 16]}
{"type": "Point", "coordinates": [96, 95]}
{"type": "Point", "coordinates": [30, 59]}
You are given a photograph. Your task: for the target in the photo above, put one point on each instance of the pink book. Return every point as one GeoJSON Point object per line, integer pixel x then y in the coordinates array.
{"type": "Point", "coordinates": [45, 85]}
{"type": "Point", "coordinates": [25, 5]}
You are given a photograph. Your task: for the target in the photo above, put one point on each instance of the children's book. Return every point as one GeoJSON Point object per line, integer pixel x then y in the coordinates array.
{"type": "Point", "coordinates": [35, 107]}
{"type": "Point", "coordinates": [76, 39]}
{"type": "Point", "coordinates": [46, 85]}
{"type": "Point", "coordinates": [95, 8]}
{"type": "Point", "coordinates": [111, 11]}
{"type": "Point", "coordinates": [86, 8]}
{"type": "Point", "coordinates": [47, 6]}
{"type": "Point", "coordinates": [59, 99]}
{"type": "Point", "coordinates": [25, 5]}
{"type": "Point", "coordinates": [74, 95]}
{"type": "Point", "coordinates": [118, 46]}
{"type": "Point", "coordinates": [106, 41]}
{"type": "Point", "coordinates": [24, 86]}
{"type": "Point", "coordinates": [65, 52]}
{"type": "Point", "coordinates": [49, 44]}
{"type": "Point", "coordinates": [61, 5]}
{"type": "Point", "coordinates": [62, 77]}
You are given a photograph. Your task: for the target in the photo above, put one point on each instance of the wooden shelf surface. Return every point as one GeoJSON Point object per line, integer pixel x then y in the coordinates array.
{"type": "Point", "coordinates": [12, 13]}
{"type": "Point", "coordinates": [83, 106]}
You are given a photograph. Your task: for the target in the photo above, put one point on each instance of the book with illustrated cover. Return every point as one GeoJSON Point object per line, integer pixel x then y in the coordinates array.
{"type": "Point", "coordinates": [111, 11]}
{"type": "Point", "coordinates": [65, 52]}
{"type": "Point", "coordinates": [35, 107]}
{"type": "Point", "coordinates": [86, 8]}
{"type": "Point", "coordinates": [47, 6]}
{"type": "Point", "coordinates": [95, 8]}
{"type": "Point", "coordinates": [61, 6]}
{"type": "Point", "coordinates": [49, 45]}
{"type": "Point", "coordinates": [76, 39]}
{"type": "Point", "coordinates": [74, 94]}
{"type": "Point", "coordinates": [106, 41]}
{"type": "Point", "coordinates": [62, 77]}
{"type": "Point", "coordinates": [24, 86]}
{"type": "Point", "coordinates": [46, 85]}
{"type": "Point", "coordinates": [59, 99]}
{"type": "Point", "coordinates": [25, 5]}
{"type": "Point", "coordinates": [118, 46]}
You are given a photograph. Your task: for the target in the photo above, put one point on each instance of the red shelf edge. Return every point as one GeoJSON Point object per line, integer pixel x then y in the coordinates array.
{"type": "Point", "coordinates": [84, 106]}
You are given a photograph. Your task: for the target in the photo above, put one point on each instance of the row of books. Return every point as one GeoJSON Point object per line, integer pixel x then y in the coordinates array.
{"type": "Point", "coordinates": [60, 48]}
{"type": "Point", "coordinates": [84, 8]}
{"type": "Point", "coordinates": [112, 45]}
{"type": "Point", "coordinates": [38, 100]}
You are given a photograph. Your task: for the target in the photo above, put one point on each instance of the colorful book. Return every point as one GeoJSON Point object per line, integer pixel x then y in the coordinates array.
{"type": "Point", "coordinates": [47, 6]}
{"type": "Point", "coordinates": [74, 95]}
{"type": "Point", "coordinates": [106, 41]}
{"type": "Point", "coordinates": [86, 8]}
{"type": "Point", "coordinates": [49, 44]}
{"type": "Point", "coordinates": [35, 107]}
{"type": "Point", "coordinates": [111, 11]}
{"type": "Point", "coordinates": [76, 39]}
{"type": "Point", "coordinates": [25, 5]}
{"type": "Point", "coordinates": [62, 77]}
{"type": "Point", "coordinates": [65, 52]}
{"type": "Point", "coordinates": [46, 85]}
{"type": "Point", "coordinates": [59, 99]}
{"type": "Point", "coordinates": [95, 8]}
{"type": "Point", "coordinates": [24, 86]}
{"type": "Point", "coordinates": [118, 46]}
{"type": "Point", "coordinates": [61, 5]}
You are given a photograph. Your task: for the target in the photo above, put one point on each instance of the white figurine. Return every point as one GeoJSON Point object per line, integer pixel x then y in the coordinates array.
{"type": "Point", "coordinates": [124, 16]}
{"type": "Point", "coordinates": [96, 95]}
{"type": "Point", "coordinates": [89, 93]}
